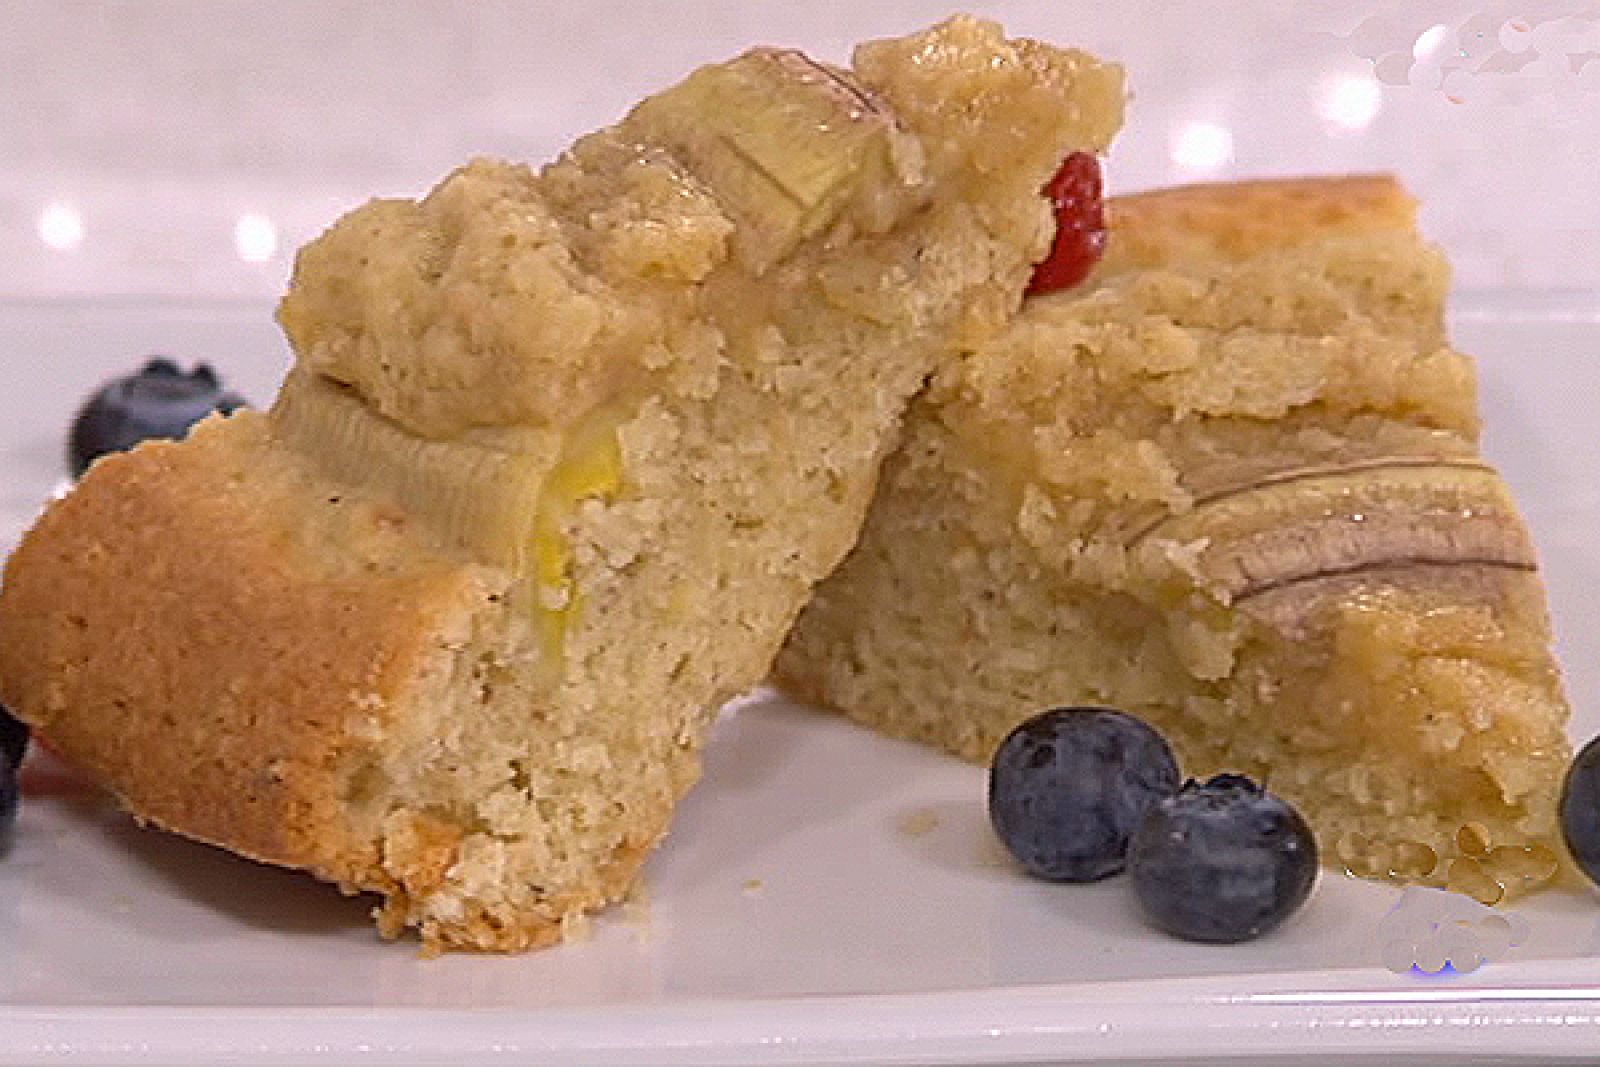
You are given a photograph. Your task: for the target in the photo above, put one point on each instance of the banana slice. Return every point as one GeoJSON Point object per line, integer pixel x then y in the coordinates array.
{"type": "Point", "coordinates": [504, 507]}
{"type": "Point", "coordinates": [784, 142]}
{"type": "Point", "coordinates": [476, 499]}
{"type": "Point", "coordinates": [1310, 524]}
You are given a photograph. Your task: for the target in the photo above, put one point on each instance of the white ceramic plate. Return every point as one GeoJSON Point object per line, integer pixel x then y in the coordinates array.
{"type": "Point", "coordinates": [825, 895]}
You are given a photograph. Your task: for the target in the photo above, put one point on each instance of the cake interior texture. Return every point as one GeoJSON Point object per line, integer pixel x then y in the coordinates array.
{"type": "Point", "coordinates": [1231, 484]}
{"type": "Point", "coordinates": [560, 457]}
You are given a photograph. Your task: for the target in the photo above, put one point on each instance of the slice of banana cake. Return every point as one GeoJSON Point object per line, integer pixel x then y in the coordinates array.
{"type": "Point", "coordinates": [1230, 484]}
{"type": "Point", "coordinates": [561, 455]}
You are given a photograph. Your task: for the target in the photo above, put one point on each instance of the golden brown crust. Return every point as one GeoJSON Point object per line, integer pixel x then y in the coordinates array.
{"type": "Point", "coordinates": [1235, 220]}
{"type": "Point", "coordinates": [217, 540]}
{"type": "Point", "coordinates": [169, 540]}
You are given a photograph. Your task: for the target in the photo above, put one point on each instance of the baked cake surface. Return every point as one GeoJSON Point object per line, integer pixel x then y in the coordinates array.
{"type": "Point", "coordinates": [1230, 484]}
{"type": "Point", "coordinates": [559, 459]}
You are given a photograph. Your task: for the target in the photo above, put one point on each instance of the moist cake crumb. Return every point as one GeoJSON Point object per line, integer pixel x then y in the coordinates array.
{"type": "Point", "coordinates": [1231, 485]}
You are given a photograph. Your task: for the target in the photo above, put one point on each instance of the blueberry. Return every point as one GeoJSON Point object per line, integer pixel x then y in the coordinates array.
{"type": "Point", "coordinates": [10, 799]}
{"type": "Point", "coordinates": [1222, 861]}
{"type": "Point", "coordinates": [13, 738]}
{"type": "Point", "coordinates": [1068, 787]}
{"type": "Point", "coordinates": [1580, 809]}
{"type": "Point", "coordinates": [159, 401]}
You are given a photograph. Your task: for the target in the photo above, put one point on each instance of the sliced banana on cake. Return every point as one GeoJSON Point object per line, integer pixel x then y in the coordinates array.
{"type": "Point", "coordinates": [1326, 522]}
{"type": "Point", "coordinates": [784, 140]}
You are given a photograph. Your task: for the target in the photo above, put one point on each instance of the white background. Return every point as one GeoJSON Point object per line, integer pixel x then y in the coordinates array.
{"type": "Point", "coordinates": [182, 148]}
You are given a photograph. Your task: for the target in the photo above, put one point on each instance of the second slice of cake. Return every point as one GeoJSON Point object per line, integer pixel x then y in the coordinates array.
{"type": "Point", "coordinates": [1231, 484]}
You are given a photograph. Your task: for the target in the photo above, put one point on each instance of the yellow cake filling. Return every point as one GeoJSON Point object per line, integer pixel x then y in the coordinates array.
{"type": "Point", "coordinates": [590, 468]}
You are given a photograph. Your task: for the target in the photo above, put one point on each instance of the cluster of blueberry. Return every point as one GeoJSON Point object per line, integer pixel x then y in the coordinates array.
{"type": "Point", "coordinates": [1079, 794]}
